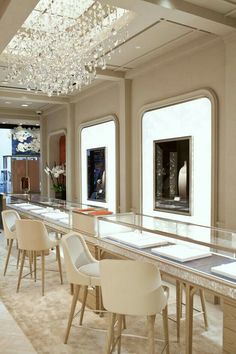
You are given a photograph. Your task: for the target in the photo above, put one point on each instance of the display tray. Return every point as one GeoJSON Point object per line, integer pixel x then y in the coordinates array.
{"type": "Point", "coordinates": [65, 221]}
{"type": "Point", "coordinates": [181, 253]}
{"type": "Point", "coordinates": [41, 211]}
{"type": "Point", "coordinates": [56, 215]}
{"type": "Point", "coordinates": [226, 270]}
{"type": "Point", "coordinates": [22, 205]}
{"type": "Point", "coordinates": [139, 240]}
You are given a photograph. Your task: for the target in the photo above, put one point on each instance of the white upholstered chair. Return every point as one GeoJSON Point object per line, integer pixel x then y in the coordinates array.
{"type": "Point", "coordinates": [9, 218]}
{"type": "Point", "coordinates": [133, 288]}
{"type": "Point", "coordinates": [82, 270]}
{"type": "Point", "coordinates": [33, 238]}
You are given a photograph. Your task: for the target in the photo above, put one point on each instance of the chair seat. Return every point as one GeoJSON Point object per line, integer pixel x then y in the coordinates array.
{"type": "Point", "coordinates": [93, 271]}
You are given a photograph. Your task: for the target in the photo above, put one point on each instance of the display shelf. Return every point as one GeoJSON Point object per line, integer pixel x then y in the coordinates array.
{"type": "Point", "coordinates": [138, 239]}
{"type": "Point", "coordinates": [181, 253]}
{"type": "Point", "coordinates": [226, 270]}
{"type": "Point", "coordinates": [195, 248]}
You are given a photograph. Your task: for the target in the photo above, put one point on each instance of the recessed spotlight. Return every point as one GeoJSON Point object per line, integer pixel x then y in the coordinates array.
{"type": "Point", "coordinates": [4, 82]}
{"type": "Point", "coordinates": [7, 102]}
{"type": "Point", "coordinates": [24, 105]}
{"type": "Point", "coordinates": [20, 123]}
{"type": "Point", "coordinates": [37, 123]}
{"type": "Point", "coordinates": [3, 122]}
{"type": "Point", "coordinates": [137, 47]}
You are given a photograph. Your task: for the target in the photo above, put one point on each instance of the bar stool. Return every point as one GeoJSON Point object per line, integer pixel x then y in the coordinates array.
{"type": "Point", "coordinates": [133, 288]}
{"type": "Point", "coordinates": [9, 218]}
{"type": "Point", "coordinates": [33, 238]}
{"type": "Point", "coordinates": [82, 269]}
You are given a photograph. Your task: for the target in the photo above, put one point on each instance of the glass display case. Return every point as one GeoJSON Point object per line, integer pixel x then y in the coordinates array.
{"type": "Point", "coordinates": [68, 215]}
{"type": "Point", "coordinates": [207, 251]}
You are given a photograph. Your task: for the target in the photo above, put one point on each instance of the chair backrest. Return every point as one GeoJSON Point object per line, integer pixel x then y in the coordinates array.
{"type": "Point", "coordinates": [32, 235]}
{"type": "Point", "coordinates": [76, 254]}
{"type": "Point", "coordinates": [9, 218]}
{"type": "Point", "coordinates": [131, 287]}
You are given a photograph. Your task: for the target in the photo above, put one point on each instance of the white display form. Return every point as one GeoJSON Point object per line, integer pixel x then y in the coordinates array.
{"type": "Point", "coordinates": [42, 210]}
{"type": "Point", "coordinates": [227, 270]}
{"type": "Point", "coordinates": [139, 240]}
{"type": "Point", "coordinates": [26, 206]}
{"type": "Point", "coordinates": [181, 253]}
{"type": "Point", "coordinates": [56, 215]}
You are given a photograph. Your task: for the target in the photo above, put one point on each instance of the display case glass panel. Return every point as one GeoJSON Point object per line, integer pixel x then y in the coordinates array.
{"type": "Point", "coordinates": [71, 216]}
{"type": "Point", "coordinates": [208, 250]}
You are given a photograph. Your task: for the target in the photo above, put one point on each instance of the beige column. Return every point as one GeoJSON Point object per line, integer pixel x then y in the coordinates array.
{"type": "Point", "coordinates": [125, 144]}
{"type": "Point", "coordinates": [70, 153]}
{"type": "Point", "coordinates": [43, 154]}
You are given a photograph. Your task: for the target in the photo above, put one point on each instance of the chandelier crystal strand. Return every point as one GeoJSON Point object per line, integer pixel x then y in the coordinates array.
{"type": "Point", "coordinates": [63, 42]}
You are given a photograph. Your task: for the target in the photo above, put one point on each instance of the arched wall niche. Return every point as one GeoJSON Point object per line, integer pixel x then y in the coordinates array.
{"type": "Point", "coordinates": [98, 140]}
{"type": "Point", "coordinates": [56, 154]}
{"type": "Point", "coordinates": [192, 115]}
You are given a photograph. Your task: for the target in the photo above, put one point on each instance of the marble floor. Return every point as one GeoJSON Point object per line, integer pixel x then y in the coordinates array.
{"type": "Point", "coordinates": [38, 323]}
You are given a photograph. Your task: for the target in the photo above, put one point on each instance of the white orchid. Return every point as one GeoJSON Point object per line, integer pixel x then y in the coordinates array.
{"type": "Point", "coordinates": [57, 172]}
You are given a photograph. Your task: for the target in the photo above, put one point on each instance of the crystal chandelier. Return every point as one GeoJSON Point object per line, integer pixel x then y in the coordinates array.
{"type": "Point", "coordinates": [63, 42]}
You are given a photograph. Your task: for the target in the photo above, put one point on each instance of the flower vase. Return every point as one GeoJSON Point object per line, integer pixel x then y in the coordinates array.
{"type": "Point", "coordinates": [60, 195]}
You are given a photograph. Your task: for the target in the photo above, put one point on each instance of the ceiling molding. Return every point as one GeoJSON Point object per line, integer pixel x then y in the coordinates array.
{"type": "Point", "coordinates": [194, 16]}
{"type": "Point", "coordinates": [110, 74]}
{"type": "Point", "coordinates": [91, 91]}
{"type": "Point", "coordinates": [174, 54]}
{"type": "Point", "coordinates": [18, 112]}
{"type": "Point", "coordinates": [7, 93]}
{"type": "Point", "coordinates": [53, 109]}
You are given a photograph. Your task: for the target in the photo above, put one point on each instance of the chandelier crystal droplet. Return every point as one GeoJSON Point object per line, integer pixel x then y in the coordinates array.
{"type": "Point", "coordinates": [63, 42]}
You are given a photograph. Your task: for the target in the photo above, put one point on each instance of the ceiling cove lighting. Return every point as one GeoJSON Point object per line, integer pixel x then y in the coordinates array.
{"type": "Point", "coordinates": [63, 42]}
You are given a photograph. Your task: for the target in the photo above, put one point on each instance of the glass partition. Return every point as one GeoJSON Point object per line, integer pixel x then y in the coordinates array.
{"type": "Point", "coordinates": [206, 249]}
{"type": "Point", "coordinates": [56, 212]}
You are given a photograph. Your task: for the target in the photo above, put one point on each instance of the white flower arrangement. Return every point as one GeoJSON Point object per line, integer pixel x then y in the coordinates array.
{"type": "Point", "coordinates": [22, 134]}
{"type": "Point", "coordinates": [57, 174]}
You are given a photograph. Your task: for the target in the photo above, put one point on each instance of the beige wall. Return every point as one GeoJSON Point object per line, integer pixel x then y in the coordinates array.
{"type": "Point", "coordinates": [208, 66]}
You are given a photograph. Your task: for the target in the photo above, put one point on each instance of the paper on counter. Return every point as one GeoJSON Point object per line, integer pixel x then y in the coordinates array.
{"type": "Point", "coordinates": [139, 240]}
{"type": "Point", "coordinates": [227, 270]}
{"type": "Point", "coordinates": [30, 207]}
{"type": "Point", "coordinates": [56, 215]}
{"type": "Point", "coordinates": [181, 253]}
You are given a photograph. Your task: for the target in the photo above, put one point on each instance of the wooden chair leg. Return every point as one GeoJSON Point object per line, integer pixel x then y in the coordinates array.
{"type": "Point", "coordinates": [8, 256]}
{"type": "Point", "coordinates": [178, 307]}
{"type": "Point", "coordinates": [83, 304]}
{"type": "Point", "coordinates": [72, 311]}
{"type": "Point", "coordinates": [59, 262]}
{"type": "Point", "coordinates": [110, 333]}
{"type": "Point", "coordinates": [18, 259]}
{"type": "Point", "coordinates": [21, 271]}
{"type": "Point", "coordinates": [30, 263]}
{"type": "Point", "coordinates": [35, 265]}
{"type": "Point", "coordinates": [119, 331]}
{"type": "Point", "coordinates": [43, 271]}
{"type": "Point", "coordinates": [151, 341]}
{"type": "Point", "coordinates": [166, 329]}
{"type": "Point", "coordinates": [71, 289]}
{"type": "Point", "coordinates": [203, 302]}
{"type": "Point", "coordinates": [189, 318]}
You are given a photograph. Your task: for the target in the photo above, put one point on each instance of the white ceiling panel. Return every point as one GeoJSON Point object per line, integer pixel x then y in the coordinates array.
{"type": "Point", "coordinates": [149, 40]}
{"type": "Point", "coordinates": [220, 6]}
